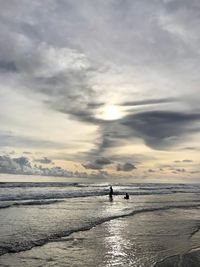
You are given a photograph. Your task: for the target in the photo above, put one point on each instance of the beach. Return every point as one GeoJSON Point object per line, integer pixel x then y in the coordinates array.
{"type": "Point", "coordinates": [100, 131]}
{"type": "Point", "coordinates": [75, 224]}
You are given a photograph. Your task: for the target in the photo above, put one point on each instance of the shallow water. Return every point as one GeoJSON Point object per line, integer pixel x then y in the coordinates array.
{"type": "Point", "coordinates": [73, 224]}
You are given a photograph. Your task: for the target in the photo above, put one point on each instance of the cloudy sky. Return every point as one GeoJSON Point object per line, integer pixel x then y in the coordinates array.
{"type": "Point", "coordinates": [110, 87]}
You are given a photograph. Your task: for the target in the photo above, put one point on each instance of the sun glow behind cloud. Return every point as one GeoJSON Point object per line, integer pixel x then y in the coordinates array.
{"type": "Point", "coordinates": [111, 112]}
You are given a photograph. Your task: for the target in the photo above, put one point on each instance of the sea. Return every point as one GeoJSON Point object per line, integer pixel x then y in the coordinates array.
{"type": "Point", "coordinates": [48, 221]}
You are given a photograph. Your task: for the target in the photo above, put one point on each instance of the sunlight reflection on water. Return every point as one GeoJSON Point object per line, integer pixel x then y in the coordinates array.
{"type": "Point", "coordinates": [117, 244]}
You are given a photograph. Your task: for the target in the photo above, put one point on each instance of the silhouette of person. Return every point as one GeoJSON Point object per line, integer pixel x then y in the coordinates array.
{"type": "Point", "coordinates": [111, 192]}
{"type": "Point", "coordinates": [126, 196]}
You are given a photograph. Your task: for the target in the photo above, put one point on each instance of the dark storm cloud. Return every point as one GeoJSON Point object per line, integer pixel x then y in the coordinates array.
{"type": "Point", "coordinates": [126, 167]}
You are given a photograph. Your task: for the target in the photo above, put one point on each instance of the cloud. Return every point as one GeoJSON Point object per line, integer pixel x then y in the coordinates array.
{"type": "Point", "coordinates": [149, 102]}
{"type": "Point", "coordinates": [44, 160]}
{"type": "Point", "coordinates": [151, 170]}
{"type": "Point", "coordinates": [126, 167]}
{"type": "Point", "coordinates": [184, 161]}
{"type": "Point", "coordinates": [61, 75]}
{"type": "Point", "coordinates": [7, 66]}
{"type": "Point", "coordinates": [191, 148]}
{"type": "Point", "coordinates": [194, 172]}
{"type": "Point", "coordinates": [9, 139]}
{"type": "Point", "coordinates": [103, 161]}
{"type": "Point", "coordinates": [162, 129]}
{"type": "Point", "coordinates": [136, 158]}
{"type": "Point", "coordinates": [92, 166]}
{"type": "Point", "coordinates": [98, 164]}
{"type": "Point", "coordinates": [15, 165]}
{"type": "Point", "coordinates": [187, 160]}
{"type": "Point", "coordinates": [180, 170]}
{"type": "Point", "coordinates": [22, 165]}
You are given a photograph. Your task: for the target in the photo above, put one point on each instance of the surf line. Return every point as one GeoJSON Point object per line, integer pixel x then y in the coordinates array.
{"type": "Point", "coordinates": [55, 237]}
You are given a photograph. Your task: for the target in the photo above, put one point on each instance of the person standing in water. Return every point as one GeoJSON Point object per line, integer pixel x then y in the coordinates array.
{"type": "Point", "coordinates": [111, 192]}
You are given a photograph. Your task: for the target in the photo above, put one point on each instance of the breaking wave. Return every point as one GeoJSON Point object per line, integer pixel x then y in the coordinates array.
{"type": "Point", "coordinates": [28, 244]}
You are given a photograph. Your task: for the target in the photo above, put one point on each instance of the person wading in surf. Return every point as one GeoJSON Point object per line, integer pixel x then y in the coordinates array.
{"type": "Point", "coordinates": [126, 196]}
{"type": "Point", "coordinates": [111, 193]}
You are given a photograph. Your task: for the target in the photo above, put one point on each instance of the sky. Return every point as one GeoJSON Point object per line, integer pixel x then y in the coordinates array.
{"type": "Point", "coordinates": [94, 88]}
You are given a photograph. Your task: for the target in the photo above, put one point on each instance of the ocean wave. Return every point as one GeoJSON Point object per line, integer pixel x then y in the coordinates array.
{"type": "Point", "coordinates": [28, 244]}
{"type": "Point", "coordinates": [73, 194]}
{"type": "Point", "coordinates": [29, 191]}
{"type": "Point", "coordinates": [27, 203]}
{"type": "Point", "coordinates": [51, 195]}
{"type": "Point", "coordinates": [33, 184]}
